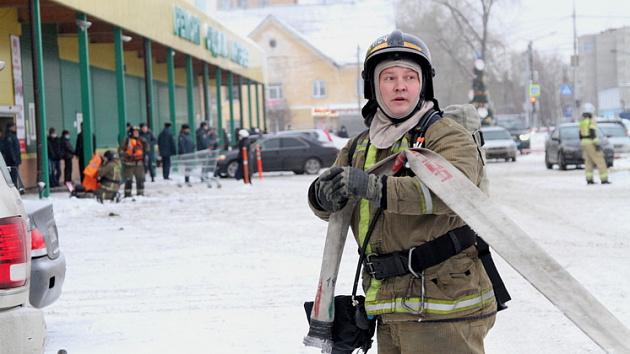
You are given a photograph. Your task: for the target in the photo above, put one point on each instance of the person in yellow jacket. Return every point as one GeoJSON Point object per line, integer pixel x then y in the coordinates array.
{"type": "Point", "coordinates": [592, 149]}
{"type": "Point", "coordinates": [132, 150]}
{"type": "Point", "coordinates": [447, 305]}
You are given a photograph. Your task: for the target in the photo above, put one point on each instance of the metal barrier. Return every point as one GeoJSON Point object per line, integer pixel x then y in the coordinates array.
{"type": "Point", "coordinates": [200, 164]}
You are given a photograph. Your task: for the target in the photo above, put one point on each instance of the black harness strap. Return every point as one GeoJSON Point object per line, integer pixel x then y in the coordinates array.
{"type": "Point", "coordinates": [422, 257]}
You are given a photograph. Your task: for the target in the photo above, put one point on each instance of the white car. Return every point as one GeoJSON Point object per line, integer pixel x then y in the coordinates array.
{"type": "Point", "coordinates": [498, 143]}
{"type": "Point", "coordinates": [22, 327]}
{"type": "Point", "coordinates": [618, 136]}
{"type": "Point", "coordinates": [322, 135]}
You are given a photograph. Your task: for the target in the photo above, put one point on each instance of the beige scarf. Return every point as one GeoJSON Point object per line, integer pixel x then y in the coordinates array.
{"type": "Point", "coordinates": [384, 133]}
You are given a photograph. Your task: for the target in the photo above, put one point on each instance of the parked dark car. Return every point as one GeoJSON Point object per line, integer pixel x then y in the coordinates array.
{"type": "Point", "coordinates": [563, 147]}
{"type": "Point", "coordinates": [297, 153]}
{"type": "Point", "coordinates": [518, 130]}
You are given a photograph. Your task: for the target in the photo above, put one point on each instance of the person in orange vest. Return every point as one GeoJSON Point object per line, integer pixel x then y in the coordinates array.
{"type": "Point", "coordinates": [132, 150]}
{"type": "Point", "coordinates": [90, 173]}
{"type": "Point", "coordinates": [102, 178]}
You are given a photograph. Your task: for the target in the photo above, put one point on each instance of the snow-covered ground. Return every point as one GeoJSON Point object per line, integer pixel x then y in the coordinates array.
{"type": "Point", "coordinates": [198, 270]}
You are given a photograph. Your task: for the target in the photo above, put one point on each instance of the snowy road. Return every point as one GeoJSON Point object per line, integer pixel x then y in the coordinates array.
{"type": "Point", "coordinates": [198, 270]}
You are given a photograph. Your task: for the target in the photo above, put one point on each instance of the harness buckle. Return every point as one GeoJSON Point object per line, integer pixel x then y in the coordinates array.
{"type": "Point", "coordinates": [370, 266]}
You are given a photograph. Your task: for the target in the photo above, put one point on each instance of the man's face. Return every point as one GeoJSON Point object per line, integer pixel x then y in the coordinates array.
{"type": "Point", "coordinates": [399, 88]}
{"type": "Point", "coordinates": [136, 133]}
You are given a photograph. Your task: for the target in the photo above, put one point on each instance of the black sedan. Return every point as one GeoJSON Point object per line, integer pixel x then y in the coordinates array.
{"type": "Point", "coordinates": [563, 147]}
{"type": "Point", "coordinates": [297, 153]}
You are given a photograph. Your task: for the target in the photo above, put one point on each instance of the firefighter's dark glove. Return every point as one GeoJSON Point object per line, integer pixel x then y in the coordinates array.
{"type": "Point", "coordinates": [598, 147]}
{"type": "Point", "coordinates": [354, 183]}
{"type": "Point", "coordinates": [326, 198]}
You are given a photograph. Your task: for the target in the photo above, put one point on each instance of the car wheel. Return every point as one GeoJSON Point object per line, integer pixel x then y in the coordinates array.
{"type": "Point", "coordinates": [312, 166]}
{"type": "Point", "coordinates": [561, 163]}
{"type": "Point", "coordinates": [231, 168]}
{"type": "Point", "coordinates": [547, 163]}
{"type": "Point", "coordinates": [513, 158]}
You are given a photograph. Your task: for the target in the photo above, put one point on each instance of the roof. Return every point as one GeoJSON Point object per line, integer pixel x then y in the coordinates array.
{"type": "Point", "coordinates": [341, 31]}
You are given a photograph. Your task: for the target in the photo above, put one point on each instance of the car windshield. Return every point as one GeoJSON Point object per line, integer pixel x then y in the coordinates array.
{"type": "Point", "coordinates": [512, 124]}
{"type": "Point", "coordinates": [613, 131]}
{"type": "Point", "coordinates": [496, 135]}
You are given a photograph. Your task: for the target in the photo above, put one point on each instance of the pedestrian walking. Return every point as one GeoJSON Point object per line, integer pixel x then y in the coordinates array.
{"type": "Point", "coordinates": [166, 146]}
{"type": "Point", "coordinates": [446, 304]}
{"type": "Point", "coordinates": [132, 149]}
{"type": "Point", "coordinates": [592, 150]}
{"type": "Point", "coordinates": [67, 154]}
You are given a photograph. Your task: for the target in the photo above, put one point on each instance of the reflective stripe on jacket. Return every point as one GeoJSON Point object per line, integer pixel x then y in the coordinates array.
{"type": "Point", "coordinates": [588, 131]}
{"type": "Point", "coordinates": [456, 288]}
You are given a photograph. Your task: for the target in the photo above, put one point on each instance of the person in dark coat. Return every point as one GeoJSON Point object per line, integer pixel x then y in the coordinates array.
{"type": "Point", "coordinates": [203, 136]}
{"type": "Point", "coordinates": [11, 150]}
{"type": "Point", "coordinates": [147, 134]}
{"type": "Point", "coordinates": [166, 145]}
{"type": "Point", "coordinates": [186, 146]}
{"type": "Point", "coordinates": [67, 155]}
{"type": "Point", "coordinates": [54, 157]}
{"type": "Point", "coordinates": [79, 150]}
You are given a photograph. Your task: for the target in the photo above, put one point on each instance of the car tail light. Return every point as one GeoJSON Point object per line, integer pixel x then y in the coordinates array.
{"type": "Point", "coordinates": [13, 252]}
{"type": "Point", "coordinates": [38, 244]}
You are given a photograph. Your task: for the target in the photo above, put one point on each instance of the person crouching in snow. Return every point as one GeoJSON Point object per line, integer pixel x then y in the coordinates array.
{"type": "Point", "coordinates": [108, 180]}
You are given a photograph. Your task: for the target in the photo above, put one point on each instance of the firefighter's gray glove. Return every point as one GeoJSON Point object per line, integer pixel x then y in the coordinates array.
{"type": "Point", "coordinates": [598, 147]}
{"type": "Point", "coordinates": [326, 198]}
{"type": "Point", "coordinates": [354, 183]}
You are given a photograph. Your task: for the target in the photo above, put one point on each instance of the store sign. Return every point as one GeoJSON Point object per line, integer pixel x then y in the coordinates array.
{"type": "Point", "coordinates": [186, 25]}
{"type": "Point", "coordinates": [216, 42]}
{"type": "Point", "coordinates": [18, 88]}
{"type": "Point", "coordinates": [240, 55]}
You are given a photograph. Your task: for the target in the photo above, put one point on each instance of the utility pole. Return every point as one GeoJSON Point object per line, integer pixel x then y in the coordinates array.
{"type": "Point", "coordinates": [575, 64]}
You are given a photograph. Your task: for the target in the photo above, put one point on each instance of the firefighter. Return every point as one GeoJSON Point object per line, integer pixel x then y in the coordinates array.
{"type": "Point", "coordinates": [446, 304]}
{"type": "Point", "coordinates": [592, 149]}
{"type": "Point", "coordinates": [132, 150]}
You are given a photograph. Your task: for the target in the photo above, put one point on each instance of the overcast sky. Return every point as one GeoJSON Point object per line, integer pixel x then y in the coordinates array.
{"type": "Point", "coordinates": [549, 24]}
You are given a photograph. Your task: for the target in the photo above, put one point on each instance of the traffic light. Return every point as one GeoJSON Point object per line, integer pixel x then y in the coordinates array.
{"type": "Point", "coordinates": [532, 99]}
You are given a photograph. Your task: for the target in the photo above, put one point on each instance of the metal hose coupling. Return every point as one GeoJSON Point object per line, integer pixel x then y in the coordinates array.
{"type": "Point", "coordinates": [320, 336]}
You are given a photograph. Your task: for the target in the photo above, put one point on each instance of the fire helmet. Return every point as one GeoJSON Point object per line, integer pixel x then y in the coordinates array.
{"type": "Point", "coordinates": [393, 46]}
{"type": "Point", "coordinates": [110, 155]}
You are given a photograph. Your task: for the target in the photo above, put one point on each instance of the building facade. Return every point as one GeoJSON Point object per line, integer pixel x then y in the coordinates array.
{"type": "Point", "coordinates": [306, 88]}
{"type": "Point", "coordinates": [109, 63]}
{"type": "Point", "coordinates": [604, 71]}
